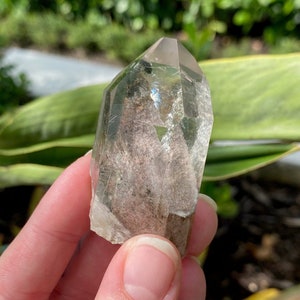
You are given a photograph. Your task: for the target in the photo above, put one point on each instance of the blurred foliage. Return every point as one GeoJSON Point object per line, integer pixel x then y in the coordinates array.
{"type": "Point", "coordinates": [222, 193]}
{"type": "Point", "coordinates": [13, 88]}
{"type": "Point", "coordinates": [135, 14]}
{"type": "Point", "coordinates": [198, 21]}
{"type": "Point", "coordinates": [268, 17]}
{"type": "Point", "coordinates": [51, 32]}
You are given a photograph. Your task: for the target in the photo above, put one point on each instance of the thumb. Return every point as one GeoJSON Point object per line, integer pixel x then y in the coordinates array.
{"type": "Point", "coordinates": [146, 267]}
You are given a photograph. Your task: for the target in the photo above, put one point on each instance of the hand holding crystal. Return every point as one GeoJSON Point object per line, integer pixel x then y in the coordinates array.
{"type": "Point", "coordinates": [56, 256]}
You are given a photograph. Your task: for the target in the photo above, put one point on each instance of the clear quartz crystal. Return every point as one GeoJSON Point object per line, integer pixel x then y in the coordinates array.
{"type": "Point", "coordinates": [150, 147]}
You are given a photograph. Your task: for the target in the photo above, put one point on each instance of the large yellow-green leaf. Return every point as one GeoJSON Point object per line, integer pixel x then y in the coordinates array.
{"type": "Point", "coordinates": [68, 114]}
{"type": "Point", "coordinates": [255, 97]}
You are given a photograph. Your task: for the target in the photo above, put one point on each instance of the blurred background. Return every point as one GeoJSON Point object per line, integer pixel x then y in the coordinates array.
{"type": "Point", "coordinates": [212, 28]}
{"type": "Point", "coordinates": [256, 250]}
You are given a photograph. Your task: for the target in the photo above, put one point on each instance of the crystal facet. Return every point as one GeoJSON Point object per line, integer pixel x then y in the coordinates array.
{"type": "Point", "coordinates": [150, 147]}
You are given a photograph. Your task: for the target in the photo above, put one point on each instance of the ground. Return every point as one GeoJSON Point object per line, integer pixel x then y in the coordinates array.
{"type": "Point", "coordinates": [259, 248]}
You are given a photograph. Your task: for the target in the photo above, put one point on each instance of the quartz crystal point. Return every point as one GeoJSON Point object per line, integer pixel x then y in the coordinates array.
{"type": "Point", "coordinates": [150, 147]}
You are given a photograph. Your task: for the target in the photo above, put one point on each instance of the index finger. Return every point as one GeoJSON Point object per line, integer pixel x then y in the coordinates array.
{"type": "Point", "coordinates": [37, 258]}
{"type": "Point", "coordinates": [204, 225]}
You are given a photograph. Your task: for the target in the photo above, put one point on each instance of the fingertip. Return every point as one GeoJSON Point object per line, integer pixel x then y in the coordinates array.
{"type": "Point", "coordinates": [193, 285]}
{"type": "Point", "coordinates": [146, 267]}
{"type": "Point", "coordinates": [209, 201]}
{"type": "Point", "coordinates": [204, 227]}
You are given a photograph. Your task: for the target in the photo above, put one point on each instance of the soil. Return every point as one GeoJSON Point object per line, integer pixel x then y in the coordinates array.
{"type": "Point", "coordinates": [257, 249]}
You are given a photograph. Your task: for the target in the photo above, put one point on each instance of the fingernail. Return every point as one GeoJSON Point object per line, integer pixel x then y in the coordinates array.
{"type": "Point", "coordinates": [150, 268]}
{"type": "Point", "coordinates": [209, 200]}
{"type": "Point", "coordinates": [90, 151]}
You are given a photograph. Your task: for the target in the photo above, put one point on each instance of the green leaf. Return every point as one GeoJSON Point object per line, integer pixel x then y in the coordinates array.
{"type": "Point", "coordinates": [68, 114]}
{"type": "Point", "coordinates": [79, 141]}
{"type": "Point", "coordinates": [57, 156]}
{"type": "Point", "coordinates": [256, 97]}
{"type": "Point", "coordinates": [28, 174]}
{"type": "Point", "coordinates": [220, 170]}
{"type": "Point", "coordinates": [240, 151]}
{"type": "Point", "coordinates": [54, 153]}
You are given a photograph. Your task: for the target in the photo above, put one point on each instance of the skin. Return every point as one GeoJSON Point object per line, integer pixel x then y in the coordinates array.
{"type": "Point", "coordinates": [56, 256]}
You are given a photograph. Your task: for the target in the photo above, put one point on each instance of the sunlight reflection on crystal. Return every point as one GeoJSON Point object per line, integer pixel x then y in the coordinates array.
{"type": "Point", "coordinates": [155, 95]}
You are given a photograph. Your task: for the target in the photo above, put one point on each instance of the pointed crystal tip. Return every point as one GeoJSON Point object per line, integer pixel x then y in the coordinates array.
{"type": "Point", "coordinates": [169, 51]}
{"type": "Point", "coordinates": [150, 147]}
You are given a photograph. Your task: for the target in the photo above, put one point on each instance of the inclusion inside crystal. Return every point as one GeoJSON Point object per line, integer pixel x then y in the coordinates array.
{"type": "Point", "coordinates": [150, 147]}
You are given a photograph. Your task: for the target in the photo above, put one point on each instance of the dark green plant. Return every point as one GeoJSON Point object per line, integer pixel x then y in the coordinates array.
{"type": "Point", "coordinates": [201, 26]}
{"type": "Point", "coordinates": [14, 29]}
{"type": "Point", "coordinates": [52, 32]}
{"type": "Point", "coordinates": [13, 88]}
{"type": "Point", "coordinates": [122, 44]}
{"type": "Point", "coordinates": [84, 35]}
{"type": "Point", "coordinates": [47, 30]}
{"type": "Point", "coordinates": [272, 19]}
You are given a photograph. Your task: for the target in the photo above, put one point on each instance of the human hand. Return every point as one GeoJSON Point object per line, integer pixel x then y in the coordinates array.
{"type": "Point", "coordinates": [56, 256]}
